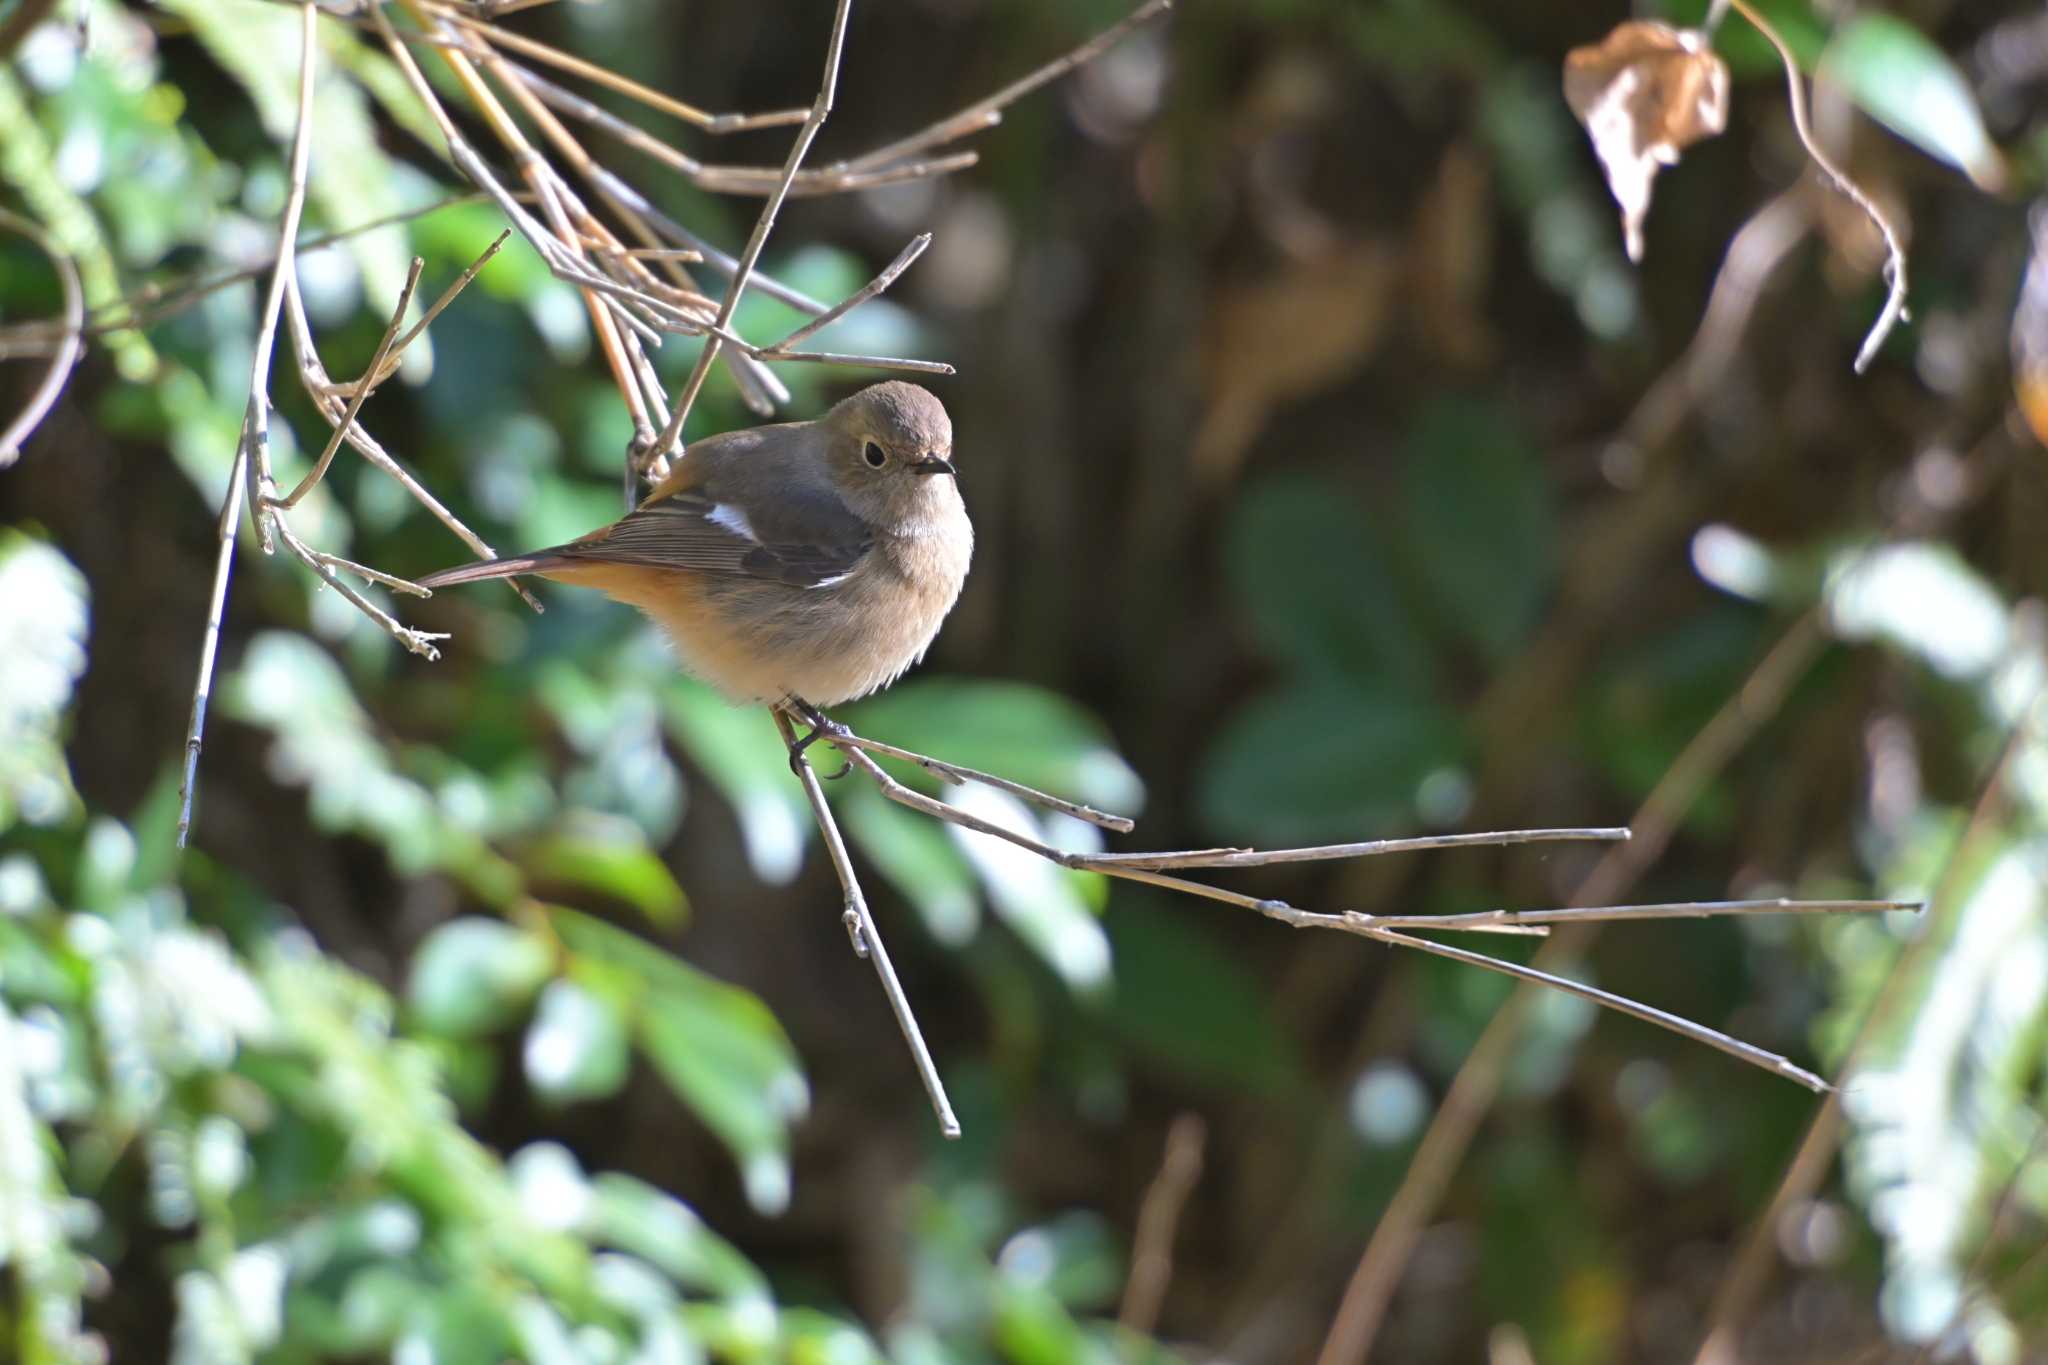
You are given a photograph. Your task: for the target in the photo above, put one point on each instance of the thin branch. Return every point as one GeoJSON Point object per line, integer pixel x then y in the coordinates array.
{"type": "Point", "coordinates": [957, 774]}
{"type": "Point", "coordinates": [764, 224]}
{"type": "Point", "coordinates": [1139, 868]}
{"type": "Point", "coordinates": [987, 112]}
{"type": "Point", "coordinates": [1895, 255]}
{"type": "Point", "coordinates": [624, 85]}
{"type": "Point", "coordinates": [1614, 914]}
{"type": "Point", "coordinates": [1251, 857]}
{"type": "Point", "coordinates": [52, 383]}
{"type": "Point", "coordinates": [318, 387]}
{"type": "Point", "coordinates": [854, 300]}
{"type": "Point", "coordinates": [1685, 1028]}
{"type": "Point", "coordinates": [866, 938]}
{"type": "Point", "coordinates": [153, 304]}
{"type": "Point", "coordinates": [251, 449]}
{"type": "Point", "coordinates": [1158, 1220]}
{"type": "Point", "coordinates": [209, 642]}
{"type": "Point", "coordinates": [361, 395]}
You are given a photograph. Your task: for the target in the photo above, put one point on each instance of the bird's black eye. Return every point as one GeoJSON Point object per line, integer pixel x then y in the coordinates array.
{"type": "Point", "coordinates": [874, 455]}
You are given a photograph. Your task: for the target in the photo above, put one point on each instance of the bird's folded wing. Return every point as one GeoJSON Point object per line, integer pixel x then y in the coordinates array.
{"type": "Point", "coordinates": [808, 539]}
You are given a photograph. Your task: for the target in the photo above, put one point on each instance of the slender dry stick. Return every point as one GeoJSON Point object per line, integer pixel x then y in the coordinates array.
{"type": "Point", "coordinates": [624, 85]}
{"type": "Point", "coordinates": [1252, 857]}
{"type": "Point", "coordinates": [1368, 926]}
{"type": "Point", "coordinates": [1158, 1220]}
{"type": "Point", "coordinates": [66, 354]}
{"type": "Point", "coordinates": [152, 304]}
{"type": "Point", "coordinates": [314, 380]}
{"type": "Point", "coordinates": [763, 225]}
{"type": "Point", "coordinates": [860, 296]}
{"type": "Point", "coordinates": [255, 423]}
{"type": "Point", "coordinates": [1895, 254]}
{"type": "Point", "coordinates": [1747, 1271]}
{"type": "Point", "coordinates": [361, 395]}
{"type": "Point", "coordinates": [1734, 1047]}
{"type": "Point", "coordinates": [987, 112]}
{"type": "Point", "coordinates": [866, 937]}
{"type": "Point", "coordinates": [1363, 1307]}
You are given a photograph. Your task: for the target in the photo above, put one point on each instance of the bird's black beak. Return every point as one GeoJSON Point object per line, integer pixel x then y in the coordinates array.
{"type": "Point", "coordinates": [933, 464]}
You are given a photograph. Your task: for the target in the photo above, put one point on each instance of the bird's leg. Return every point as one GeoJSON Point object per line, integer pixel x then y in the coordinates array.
{"type": "Point", "coordinates": [822, 727]}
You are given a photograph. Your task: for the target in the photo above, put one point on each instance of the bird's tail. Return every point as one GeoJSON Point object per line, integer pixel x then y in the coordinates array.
{"type": "Point", "coordinates": [539, 562]}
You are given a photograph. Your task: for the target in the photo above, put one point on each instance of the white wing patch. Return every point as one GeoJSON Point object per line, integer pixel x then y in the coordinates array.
{"type": "Point", "coordinates": [732, 519]}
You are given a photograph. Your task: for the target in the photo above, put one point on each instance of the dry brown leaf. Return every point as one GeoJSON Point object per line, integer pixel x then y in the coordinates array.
{"type": "Point", "coordinates": [1645, 92]}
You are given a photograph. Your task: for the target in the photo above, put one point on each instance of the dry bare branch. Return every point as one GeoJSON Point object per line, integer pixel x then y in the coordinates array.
{"type": "Point", "coordinates": [255, 423]}
{"type": "Point", "coordinates": [70, 338]}
{"type": "Point", "coordinates": [861, 929]}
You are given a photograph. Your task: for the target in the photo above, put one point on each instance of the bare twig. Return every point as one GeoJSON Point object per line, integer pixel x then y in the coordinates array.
{"type": "Point", "coordinates": [154, 303]}
{"type": "Point", "coordinates": [1158, 1219]}
{"type": "Point", "coordinates": [987, 112]}
{"type": "Point", "coordinates": [1252, 857]}
{"type": "Point", "coordinates": [253, 445]}
{"type": "Point", "coordinates": [866, 938]}
{"type": "Point", "coordinates": [764, 224]}
{"type": "Point", "coordinates": [323, 391]}
{"type": "Point", "coordinates": [1142, 868]}
{"type": "Point", "coordinates": [1895, 255]}
{"type": "Point", "coordinates": [361, 395]}
{"type": "Point", "coordinates": [59, 369]}
{"type": "Point", "coordinates": [857, 298]}
{"type": "Point", "coordinates": [612, 80]}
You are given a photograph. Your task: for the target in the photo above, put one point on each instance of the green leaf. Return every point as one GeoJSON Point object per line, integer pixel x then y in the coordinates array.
{"type": "Point", "coordinates": [1024, 733]}
{"type": "Point", "coordinates": [1073, 1257]}
{"type": "Point", "coordinates": [660, 1229]}
{"type": "Point", "coordinates": [1300, 559]}
{"type": "Point", "coordinates": [1320, 762]}
{"type": "Point", "coordinates": [1899, 77]}
{"type": "Point", "coordinates": [576, 1046]}
{"type": "Point", "coordinates": [740, 751]}
{"type": "Point", "coordinates": [1923, 598]}
{"type": "Point", "coordinates": [1480, 526]}
{"type": "Point", "coordinates": [1194, 1008]}
{"type": "Point", "coordinates": [717, 1046]}
{"type": "Point", "coordinates": [1044, 903]}
{"type": "Point", "coordinates": [918, 858]}
{"type": "Point", "coordinates": [610, 856]}
{"type": "Point", "coordinates": [473, 975]}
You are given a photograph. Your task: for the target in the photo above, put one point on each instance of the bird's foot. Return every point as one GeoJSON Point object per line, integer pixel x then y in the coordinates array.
{"type": "Point", "coordinates": [822, 727]}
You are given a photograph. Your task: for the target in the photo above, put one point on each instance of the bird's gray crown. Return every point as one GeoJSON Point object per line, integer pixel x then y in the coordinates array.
{"type": "Point", "coordinates": [904, 416]}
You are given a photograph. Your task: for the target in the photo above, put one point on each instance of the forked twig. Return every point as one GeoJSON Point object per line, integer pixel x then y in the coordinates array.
{"type": "Point", "coordinates": [1396, 930]}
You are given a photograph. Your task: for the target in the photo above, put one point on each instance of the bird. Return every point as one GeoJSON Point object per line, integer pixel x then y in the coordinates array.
{"type": "Point", "coordinates": [799, 564]}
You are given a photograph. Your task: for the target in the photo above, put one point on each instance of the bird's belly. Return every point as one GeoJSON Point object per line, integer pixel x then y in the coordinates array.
{"type": "Point", "coordinates": [760, 642]}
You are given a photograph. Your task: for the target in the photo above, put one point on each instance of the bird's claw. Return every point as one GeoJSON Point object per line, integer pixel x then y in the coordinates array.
{"type": "Point", "coordinates": [822, 727]}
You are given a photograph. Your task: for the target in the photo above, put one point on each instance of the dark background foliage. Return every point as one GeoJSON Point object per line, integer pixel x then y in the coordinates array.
{"type": "Point", "coordinates": [1332, 467]}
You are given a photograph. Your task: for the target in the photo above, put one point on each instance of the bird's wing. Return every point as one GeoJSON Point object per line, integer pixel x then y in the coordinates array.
{"type": "Point", "coordinates": [804, 537]}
